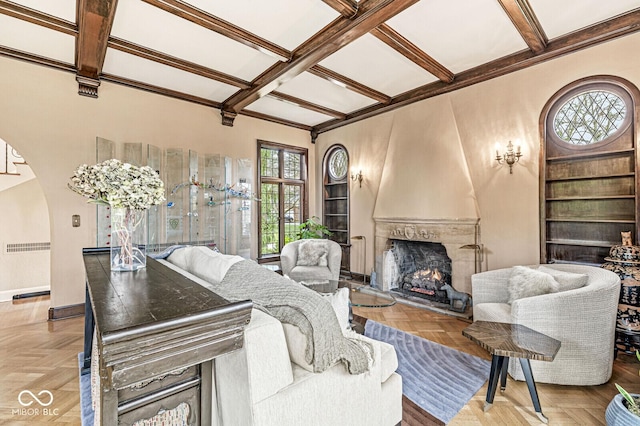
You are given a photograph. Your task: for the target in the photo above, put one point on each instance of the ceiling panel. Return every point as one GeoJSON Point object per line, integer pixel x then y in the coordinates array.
{"type": "Point", "coordinates": [135, 68]}
{"type": "Point", "coordinates": [65, 9]}
{"type": "Point", "coordinates": [34, 39]}
{"type": "Point", "coordinates": [559, 18]}
{"type": "Point", "coordinates": [286, 23]}
{"type": "Point", "coordinates": [288, 111]}
{"type": "Point", "coordinates": [149, 26]}
{"type": "Point", "coordinates": [461, 34]}
{"type": "Point", "coordinates": [374, 64]}
{"type": "Point", "coordinates": [322, 92]}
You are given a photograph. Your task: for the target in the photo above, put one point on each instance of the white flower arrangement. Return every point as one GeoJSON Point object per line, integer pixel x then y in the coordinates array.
{"type": "Point", "coordinates": [119, 185]}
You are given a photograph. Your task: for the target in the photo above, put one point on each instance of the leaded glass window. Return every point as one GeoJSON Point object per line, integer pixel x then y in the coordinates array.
{"type": "Point", "coordinates": [590, 117]}
{"type": "Point", "coordinates": [338, 164]}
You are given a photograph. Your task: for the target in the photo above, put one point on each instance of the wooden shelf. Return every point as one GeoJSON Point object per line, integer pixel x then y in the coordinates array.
{"type": "Point", "coordinates": [335, 183]}
{"type": "Point", "coordinates": [595, 197]}
{"type": "Point", "coordinates": [583, 243]}
{"type": "Point", "coordinates": [336, 198]}
{"type": "Point", "coordinates": [595, 177]}
{"type": "Point", "coordinates": [336, 214]}
{"type": "Point", "coordinates": [339, 230]}
{"type": "Point", "coordinates": [630, 221]}
{"type": "Point", "coordinates": [593, 154]}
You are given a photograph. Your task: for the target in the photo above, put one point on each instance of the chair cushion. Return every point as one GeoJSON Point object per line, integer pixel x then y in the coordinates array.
{"type": "Point", "coordinates": [307, 273]}
{"type": "Point", "coordinates": [527, 282]}
{"type": "Point", "coordinates": [496, 312]}
{"type": "Point", "coordinates": [312, 253]}
{"type": "Point", "coordinates": [566, 280]}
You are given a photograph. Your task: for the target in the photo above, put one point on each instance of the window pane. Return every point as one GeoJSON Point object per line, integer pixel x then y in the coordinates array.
{"type": "Point", "coordinates": [269, 162]}
{"type": "Point", "coordinates": [338, 164]}
{"type": "Point", "coordinates": [292, 212]}
{"type": "Point", "coordinates": [589, 117]}
{"type": "Point", "coordinates": [269, 223]}
{"type": "Point", "coordinates": [292, 165]}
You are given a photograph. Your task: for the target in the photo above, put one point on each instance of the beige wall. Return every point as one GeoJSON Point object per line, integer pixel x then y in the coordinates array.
{"type": "Point", "coordinates": [55, 129]}
{"type": "Point", "coordinates": [25, 219]}
{"type": "Point", "coordinates": [477, 117]}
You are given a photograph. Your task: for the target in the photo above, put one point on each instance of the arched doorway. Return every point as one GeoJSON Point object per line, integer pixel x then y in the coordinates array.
{"type": "Point", "coordinates": [25, 260]}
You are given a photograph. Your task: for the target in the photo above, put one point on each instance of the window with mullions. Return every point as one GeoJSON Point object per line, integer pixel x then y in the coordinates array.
{"type": "Point", "coordinates": [283, 195]}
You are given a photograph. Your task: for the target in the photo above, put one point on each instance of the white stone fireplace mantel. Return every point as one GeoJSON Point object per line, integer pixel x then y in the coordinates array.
{"type": "Point", "coordinates": [460, 237]}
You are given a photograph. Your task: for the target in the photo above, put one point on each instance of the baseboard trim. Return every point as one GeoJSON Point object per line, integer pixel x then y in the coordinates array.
{"type": "Point", "coordinates": [64, 312]}
{"type": "Point", "coordinates": [7, 295]}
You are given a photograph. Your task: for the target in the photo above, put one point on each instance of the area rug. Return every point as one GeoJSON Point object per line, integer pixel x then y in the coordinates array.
{"type": "Point", "coordinates": [86, 409]}
{"type": "Point", "coordinates": [438, 379]}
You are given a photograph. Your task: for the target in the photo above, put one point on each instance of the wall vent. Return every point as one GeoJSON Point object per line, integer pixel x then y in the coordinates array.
{"type": "Point", "coordinates": [26, 247]}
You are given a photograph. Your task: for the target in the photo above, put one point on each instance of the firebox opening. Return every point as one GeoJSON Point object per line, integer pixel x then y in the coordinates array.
{"type": "Point", "coordinates": [422, 269]}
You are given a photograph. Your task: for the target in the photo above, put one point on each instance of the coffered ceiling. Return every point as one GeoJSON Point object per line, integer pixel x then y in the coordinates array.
{"type": "Point", "coordinates": [312, 64]}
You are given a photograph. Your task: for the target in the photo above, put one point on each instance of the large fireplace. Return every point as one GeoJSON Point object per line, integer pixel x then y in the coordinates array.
{"type": "Point", "coordinates": [421, 269]}
{"type": "Point", "coordinates": [417, 257]}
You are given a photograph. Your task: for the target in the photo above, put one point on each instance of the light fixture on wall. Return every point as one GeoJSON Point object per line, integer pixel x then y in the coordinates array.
{"type": "Point", "coordinates": [510, 157]}
{"type": "Point", "coordinates": [357, 177]}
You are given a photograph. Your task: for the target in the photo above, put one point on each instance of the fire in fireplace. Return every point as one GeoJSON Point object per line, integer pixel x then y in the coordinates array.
{"type": "Point", "coordinates": [422, 269]}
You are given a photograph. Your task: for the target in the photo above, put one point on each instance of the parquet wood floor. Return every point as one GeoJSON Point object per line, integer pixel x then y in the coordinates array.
{"type": "Point", "coordinates": [39, 355]}
{"type": "Point", "coordinates": [563, 405]}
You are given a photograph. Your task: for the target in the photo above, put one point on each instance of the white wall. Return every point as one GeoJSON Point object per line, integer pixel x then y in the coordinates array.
{"type": "Point", "coordinates": [55, 130]}
{"type": "Point", "coordinates": [479, 116]}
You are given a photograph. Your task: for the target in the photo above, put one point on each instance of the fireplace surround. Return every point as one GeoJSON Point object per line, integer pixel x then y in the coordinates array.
{"type": "Point", "coordinates": [460, 238]}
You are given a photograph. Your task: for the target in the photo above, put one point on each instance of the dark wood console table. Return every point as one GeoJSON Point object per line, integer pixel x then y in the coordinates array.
{"type": "Point", "coordinates": [157, 332]}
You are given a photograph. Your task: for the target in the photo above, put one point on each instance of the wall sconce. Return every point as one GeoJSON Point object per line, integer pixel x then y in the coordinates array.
{"type": "Point", "coordinates": [510, 157]}
{"type": "Point", "coordinates": [357, 177]}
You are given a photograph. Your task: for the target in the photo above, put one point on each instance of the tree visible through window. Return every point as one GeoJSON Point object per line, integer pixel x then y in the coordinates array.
{"type": "Point", "coordinates": [283, 179]}
{"type": "Point", "coordinates": [589, 117]}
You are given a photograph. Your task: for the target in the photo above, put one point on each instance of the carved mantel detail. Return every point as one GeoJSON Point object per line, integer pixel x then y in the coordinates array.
{"type": "Point", "coordinates": [411, 231]}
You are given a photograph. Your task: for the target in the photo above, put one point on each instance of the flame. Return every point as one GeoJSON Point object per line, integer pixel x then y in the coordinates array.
{"type": "Point", "coordinates": [436, 276]}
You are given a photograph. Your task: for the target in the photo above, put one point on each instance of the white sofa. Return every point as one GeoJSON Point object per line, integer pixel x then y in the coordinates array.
{"type": "Point", "coordinates": [267, 382]}
{"type": "Point", "coordinates": [582, 319]}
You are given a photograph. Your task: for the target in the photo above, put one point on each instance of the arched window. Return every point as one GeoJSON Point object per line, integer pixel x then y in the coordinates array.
{"type": "Point", "coordinates": [588, 179]}
{"type": "Point", "coordinates": [335, 200]}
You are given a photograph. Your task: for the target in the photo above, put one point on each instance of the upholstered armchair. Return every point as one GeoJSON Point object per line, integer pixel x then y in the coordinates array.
{"type": "Point", "coordinates": [583, 319]}
{"type": "Point", "coordinates": [311, 260]}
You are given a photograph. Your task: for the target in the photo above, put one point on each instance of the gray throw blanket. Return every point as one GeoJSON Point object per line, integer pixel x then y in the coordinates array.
{"type": "Point", "coordinates": [293, 303]}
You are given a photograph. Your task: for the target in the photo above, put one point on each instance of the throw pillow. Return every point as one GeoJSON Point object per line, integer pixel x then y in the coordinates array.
{"type": "Point", "coordinates": [311, 253]}
{"type": "Point", "coordinates": [527, 282]}
{"type": "Point", "coordinates": [566, 280]}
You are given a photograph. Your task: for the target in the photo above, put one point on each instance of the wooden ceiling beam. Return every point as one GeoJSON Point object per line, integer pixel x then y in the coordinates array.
{"type": "Point", "coordinates": [95, 18]}
{"type": "Point", "coordinates": [346, 8]}
{"type": "Point", "coordinates": [36, 17]}
{"type": "Point", "coordinates": [526, 22]}
{"type": "Point", "coordinates": [227, 29]}
{"type": "Point", "coordinates": [354, 86]}
{"type": "Point", "coordinates": [172, 61]}
{"type": "Point", "coordinates": [393, 39]}
{"type": "Point", "coordinates": [332, 38]}
{"type": "Point", "coordinates": [307, 105]}
{"type": "Point", "coordinates": [619, 26]}
{"type": "Point", "coordinates": [36, 59]}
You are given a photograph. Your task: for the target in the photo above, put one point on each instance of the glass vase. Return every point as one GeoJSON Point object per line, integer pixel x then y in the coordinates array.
{"type": "Point", "coordinates": [128, 239]}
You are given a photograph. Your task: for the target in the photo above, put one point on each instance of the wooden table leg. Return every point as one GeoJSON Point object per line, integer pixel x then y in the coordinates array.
{"type": "Point", "coordinates": [531, 384]}
{"type": "Point", "coordinates": [496, 368]}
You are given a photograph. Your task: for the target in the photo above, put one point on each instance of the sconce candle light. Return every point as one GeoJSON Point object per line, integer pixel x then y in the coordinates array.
{"type": "Point", "coordinates": [357, 177]}
{"type": "Point", "coordinates": [510, 156]}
